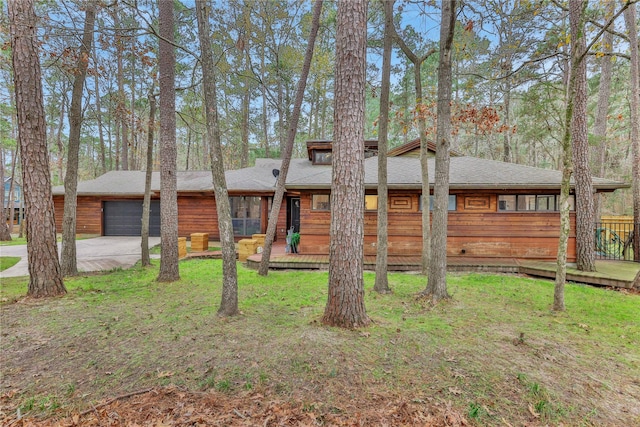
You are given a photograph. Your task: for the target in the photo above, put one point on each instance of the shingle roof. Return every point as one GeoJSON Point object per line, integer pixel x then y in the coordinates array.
{"type": "Point", "coordinates": [465, 173]}
{"type": "Point", "coordinates": [403, 172]}
{"type": "Point", "coordinates": [258, 178]}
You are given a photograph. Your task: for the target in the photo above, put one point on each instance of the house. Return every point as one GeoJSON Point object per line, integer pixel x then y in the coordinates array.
{"type": "Point", "coordinates": [412, 149]}
{"type": "Point", "coordinates": [496, 209]}
{"type": "Point", "coordinates": [17, 193]}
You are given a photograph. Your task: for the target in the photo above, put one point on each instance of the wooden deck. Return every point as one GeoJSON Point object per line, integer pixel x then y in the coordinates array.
{"type": "Point", "coordinates": [619, 274]}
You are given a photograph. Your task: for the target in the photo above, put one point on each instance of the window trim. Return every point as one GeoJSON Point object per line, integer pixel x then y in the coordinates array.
{"type": "Point", "coordinates": [538, 197]}
{"type": "Point", "coordinates": [247, 208]}
{"type": "Point", "coordinates": [319, 153]}
{"type": "Point", "coordinates": [365, 203]}
{"type": "Point", "coordinates": [328, 203]}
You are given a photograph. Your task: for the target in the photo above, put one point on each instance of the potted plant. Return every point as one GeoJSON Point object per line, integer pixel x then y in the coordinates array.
{"type": "Point", "coordinates": [295, 241]}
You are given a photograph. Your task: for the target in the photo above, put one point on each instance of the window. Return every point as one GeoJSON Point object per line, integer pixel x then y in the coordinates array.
{"type": "Point", "coordinates": [371, 202]}
{"type": "Point", "coordinates": [526, 203]}
{"type": "Point", "coordinates": [506, 203]}
{"type": "Point", "coordinates": [546, 203]}
{"type": "Point", "coordinates": [320, 202]}
{"type": "Point", "coordinates": [531, 202]}
{"type": "Point", "coordinates": [245, 215]}
{"type": "Point", "coordinates": [322, 157]}
{"type": "Point", "coordinates": [452, 202]}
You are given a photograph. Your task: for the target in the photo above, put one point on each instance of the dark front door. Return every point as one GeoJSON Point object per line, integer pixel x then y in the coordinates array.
{"type": "Point", "coordinates": [294, 214]}
{"type": "Point", "coordinates": [124, 218]}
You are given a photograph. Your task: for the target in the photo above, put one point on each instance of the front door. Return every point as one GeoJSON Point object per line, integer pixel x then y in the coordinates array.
{"type": "Point", "coordinates": [293, 214]}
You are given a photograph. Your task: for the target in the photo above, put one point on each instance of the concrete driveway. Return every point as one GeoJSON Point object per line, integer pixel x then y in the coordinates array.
{"type": "Point", "coordinates": [97, 254]}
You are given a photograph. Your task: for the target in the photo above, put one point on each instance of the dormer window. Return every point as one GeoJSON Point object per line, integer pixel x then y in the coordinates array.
{"type": "Point", "coordinates": [321, 157]}
{"type": "Point", "coordinates": [319, 151]}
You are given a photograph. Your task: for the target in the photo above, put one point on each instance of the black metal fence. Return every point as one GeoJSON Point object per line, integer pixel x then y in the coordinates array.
{"type": "Point", "coordinates": [614, 240]}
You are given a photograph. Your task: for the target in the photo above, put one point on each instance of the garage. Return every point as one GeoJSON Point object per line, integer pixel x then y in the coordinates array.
{"type": "Point", "coordinates": [124, 218]}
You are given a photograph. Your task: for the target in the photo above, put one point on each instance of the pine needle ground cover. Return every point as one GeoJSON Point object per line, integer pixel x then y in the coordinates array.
{"type": "Point", "coordinates": [494, 354]}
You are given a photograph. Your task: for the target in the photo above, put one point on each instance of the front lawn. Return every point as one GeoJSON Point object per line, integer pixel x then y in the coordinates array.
{"type": "Point", "coordinates": [493, 354]}
{"type": "Point", "coordinates": [8, 262]}
{"type": "Point", "coordinates": [156, 250]}
{"type": "Point", "coordinates": [15, 241]}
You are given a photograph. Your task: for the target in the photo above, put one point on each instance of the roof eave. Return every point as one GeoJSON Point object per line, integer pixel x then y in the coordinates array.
{"type": "Point", "coordinates": [467, 186]}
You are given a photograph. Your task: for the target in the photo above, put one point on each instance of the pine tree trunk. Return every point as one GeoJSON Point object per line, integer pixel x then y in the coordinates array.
{"type": "Point", "coordinates": [631, 20]}
{"type": "Point", "coordinates": [246, 100]}
{"type": "Point", "coordinates": [121, 115]}
{"type": "Point", "coordinates": [345, 304]}
{"type": "Point", "coordinates": [118, 144]}
{"type": "Point", "coordinates": [229, 300]}
{"type": "Point", "coordinates": [69, 263]}
{"type": "Point", "coordinates": [45, 278]}
{"type": "Point", "coordinates": [325, 106]}
{"type": "Point", "coordinates": [291, 138]}
{"type": "Point", "coordinates": [188, 156]}
{"type": "Point", "coordinates": [265, 122]}
{"type": "Point", "coordinates": [425, 261]}
{"type": "Point", "coordinates": [565, 189]}
{"type": "Point", "coordinates": [146, 203]}
{"type": "Point", "coordinates": [281, 121]}
{"type": "Point", "coordinates": [563, 242]}
{"type": "Point", "coordinates": [382, 245]}
{"type": "Point", "coordinates": [5, 233]}
{"type": "Point", "coordinates": [169, 267]}
{"type": "Point", "coordinates": [424, 152]}
{"type": "Point", "coordinates": [507, 119]}
{"type": "Point", "coordinates": [602, 109]}
{"type": "Point", "coordinates": [103, 154]}
{"type": "Point", "coordinates": [59, 144]}
{"type": "Point", "coordinates": [437, 281]}
{"type": "Point", "coordinates": [576, 21]}
{"type": "Point", "coordinates": [134, 144]}
{"type": "Point", "coordinates": [585, 236]}
{"type": "Point", "coordinates": [12, 187]}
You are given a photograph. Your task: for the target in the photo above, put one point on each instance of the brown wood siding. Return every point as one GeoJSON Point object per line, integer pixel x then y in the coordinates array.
{"type": "Point", "coordinates": [530, 235]}
{"type": "Point", "coordinates": [479, 232]}
{"type": "Point", "coordinates": [58, 209]}
{"type": "Point", "coordinates": [196, 214]}
{"type": "Point", "coordinates": [474, 230]}
{"type": "Point", "coordinates": [88, 214]}
{"type": "Point", "coordinates": [314, 228]}
{"type": "Point", "coordinates": [281, 228]}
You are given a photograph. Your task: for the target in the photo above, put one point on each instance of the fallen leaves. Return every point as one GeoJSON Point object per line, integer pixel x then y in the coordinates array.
{"type": "Point", "coordinates": [174, 406]}
{"type": "Point", "coordinates": [165, 374]}
{"type": "Point", "coordinates": [533, 412]}
{"type": "Point", "coordinates": [455, 391]}
{"type": "Point", "coordinates": [585, 327]}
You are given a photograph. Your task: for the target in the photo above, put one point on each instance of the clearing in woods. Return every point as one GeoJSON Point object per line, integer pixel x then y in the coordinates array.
{"type": "Point", "coordinates": [121, 349]}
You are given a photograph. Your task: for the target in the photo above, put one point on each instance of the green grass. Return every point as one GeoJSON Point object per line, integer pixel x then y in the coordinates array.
{"type": "Point", "coordinates": [15, 241]}
{"type": "Point", "coordinates": [157, 248]}
{"type": "Point", "coordinates": [495, 350]}
{"type": "Point", "coordinates": [8, 262]}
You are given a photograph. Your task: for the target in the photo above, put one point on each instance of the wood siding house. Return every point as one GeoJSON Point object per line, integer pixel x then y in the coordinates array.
{"type": "Point", "coordinates": [112, 203]}
{"type": "Point", "coordinates": [496, 209]}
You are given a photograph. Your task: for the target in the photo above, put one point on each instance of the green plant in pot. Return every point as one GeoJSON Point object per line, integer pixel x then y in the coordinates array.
{"type": "Point", "coordinates": [295, 241]}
